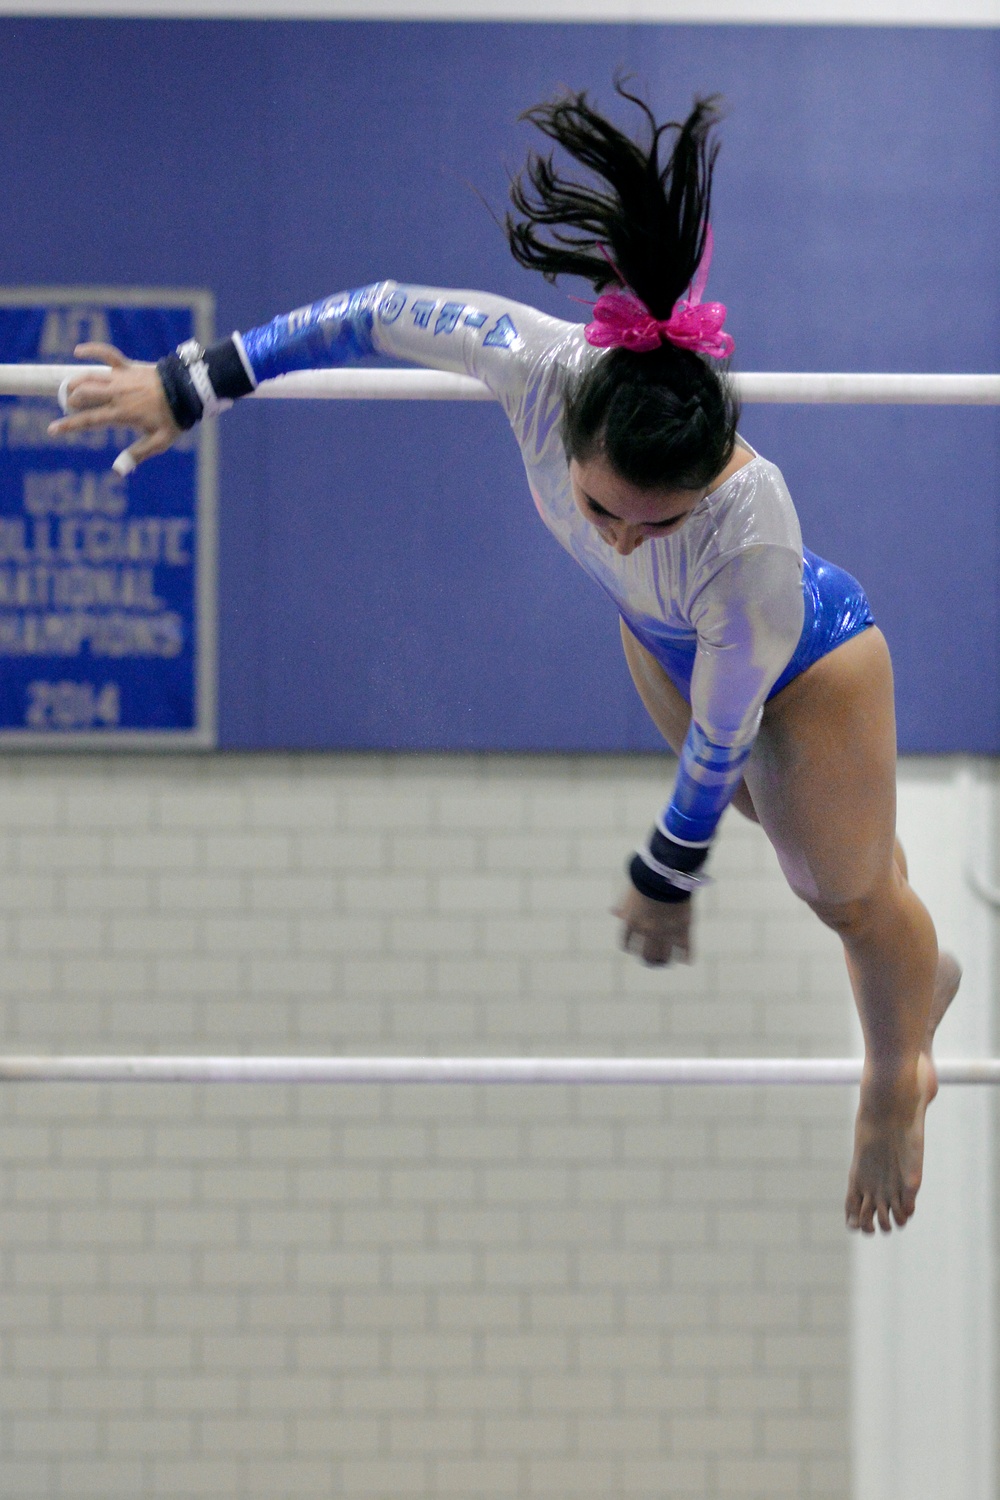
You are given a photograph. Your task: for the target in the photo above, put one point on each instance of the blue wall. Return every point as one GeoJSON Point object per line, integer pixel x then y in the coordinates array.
{"type": "Point", "coordinates": [384, 580]}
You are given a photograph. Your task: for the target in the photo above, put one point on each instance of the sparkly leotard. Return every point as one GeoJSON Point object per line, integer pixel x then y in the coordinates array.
{"type": "Point", "coordinates": [729, 603]}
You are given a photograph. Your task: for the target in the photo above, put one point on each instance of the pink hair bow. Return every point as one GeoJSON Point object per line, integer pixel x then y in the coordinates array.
{"type": "Point", "coordinates": [621, 321]}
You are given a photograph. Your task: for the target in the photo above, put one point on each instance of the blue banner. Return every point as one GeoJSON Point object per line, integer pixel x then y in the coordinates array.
{"type": "Point", "coordinates": [106, 598]}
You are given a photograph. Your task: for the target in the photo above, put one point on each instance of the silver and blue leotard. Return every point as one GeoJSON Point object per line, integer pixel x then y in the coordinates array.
{"type": "Point", "coordinates": [730, 604]}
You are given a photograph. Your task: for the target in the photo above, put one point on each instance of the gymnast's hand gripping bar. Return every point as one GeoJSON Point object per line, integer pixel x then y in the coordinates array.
{"type": "Point", "coordinates": [436, 385]}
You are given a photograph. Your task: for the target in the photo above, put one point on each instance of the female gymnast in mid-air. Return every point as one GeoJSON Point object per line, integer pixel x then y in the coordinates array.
{"type": "Point", "coordinates": [758, 662]}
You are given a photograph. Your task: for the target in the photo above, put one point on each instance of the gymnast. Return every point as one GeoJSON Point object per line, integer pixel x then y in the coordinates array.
{"type": "Point", "coordinates": [759, 663]}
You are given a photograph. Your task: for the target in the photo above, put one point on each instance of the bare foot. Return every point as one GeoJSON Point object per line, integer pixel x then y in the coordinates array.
{"type": "Point", "coordinates": [888, 1160]}
{"type": "Point", "coordinates": [946, 982]}
{"type": "Point", "coordinates": [889, 1139]}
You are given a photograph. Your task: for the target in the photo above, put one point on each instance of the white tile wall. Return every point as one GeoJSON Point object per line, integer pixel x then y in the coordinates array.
{"type": "Point", "coordinates": [501, 1294]}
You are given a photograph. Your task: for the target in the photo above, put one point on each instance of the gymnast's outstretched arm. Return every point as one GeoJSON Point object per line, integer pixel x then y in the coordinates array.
{"type": "Point", "coordinates": [492, 338]}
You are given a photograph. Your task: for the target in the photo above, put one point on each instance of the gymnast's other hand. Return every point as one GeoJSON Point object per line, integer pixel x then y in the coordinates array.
{"type": "Point", "coordinates": [129, 394]}
{"type": "Point", "coordinates": [658, 932]}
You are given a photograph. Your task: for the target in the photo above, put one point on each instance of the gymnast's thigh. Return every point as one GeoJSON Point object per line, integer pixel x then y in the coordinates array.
{"type": "Point", "coordinates": [667, 707]}
{"type": "Point", "coordinates": [822, 773]}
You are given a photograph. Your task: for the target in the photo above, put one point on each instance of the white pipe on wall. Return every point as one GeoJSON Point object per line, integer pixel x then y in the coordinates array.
{"type": "Point", "coordinates": [923, 1364]}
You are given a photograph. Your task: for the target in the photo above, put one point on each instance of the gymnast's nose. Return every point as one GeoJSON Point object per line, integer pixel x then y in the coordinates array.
{"type": "Point", "coordinates": [625, 539]}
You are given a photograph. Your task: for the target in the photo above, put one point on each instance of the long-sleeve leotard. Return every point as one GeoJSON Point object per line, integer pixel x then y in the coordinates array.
{"type": "Point", "coordinates": [718, 603]}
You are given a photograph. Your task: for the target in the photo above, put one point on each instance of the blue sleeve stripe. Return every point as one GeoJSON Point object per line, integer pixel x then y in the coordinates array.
{"type": "Point", "coordinates": [336, 331]}
{"type": "Point", "coordinates": [707, 777]}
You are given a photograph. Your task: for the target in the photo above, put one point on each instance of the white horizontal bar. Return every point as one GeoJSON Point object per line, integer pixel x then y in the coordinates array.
{"type": "Point", "coordinates": [712, 12]}
{"type": "Point", "coordinates": [765, 387]}
{"type": "Point", "coordinates": [488, 1070]}
{"type": "Point", "coordinates": [870, 389]}
{"type": "Point", "coordinates": [373, 385]}
{"type": "Point", "coordinates": [39, 380]}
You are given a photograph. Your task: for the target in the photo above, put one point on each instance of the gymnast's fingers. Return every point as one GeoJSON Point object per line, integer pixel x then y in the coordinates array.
{"type": "Point", "coordinates": [638, 938]}
{"type": "Point", "coordinates": [629, 939]}
{"type": "Point", "coordinates": [81, 392]}
{"type": "Point", "coordinates": [104, 354]}
{"type": "Point", "coordinates": [657, 948]}
{"type": "Point", "coordinates": [143, 448]}
{"type": "Point", "coordinates": [649, 946]}
{"type": "Point", "coordinates": [677, 922]}
{"type": "Point", "coordinates": [92, 387]}
{"type": "Point", "coordinates": [108, 415]}
{"type": "Point", "coordinates": [658, 934]}
{"type": "Point", "coordinates": [129, 397]}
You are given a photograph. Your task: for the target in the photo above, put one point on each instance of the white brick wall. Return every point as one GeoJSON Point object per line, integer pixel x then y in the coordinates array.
{"type": "Point", "coordinates": [470, 1293]}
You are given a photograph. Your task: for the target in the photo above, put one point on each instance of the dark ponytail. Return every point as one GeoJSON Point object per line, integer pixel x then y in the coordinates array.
{"type": "Point", "coordinates": [664, 418]}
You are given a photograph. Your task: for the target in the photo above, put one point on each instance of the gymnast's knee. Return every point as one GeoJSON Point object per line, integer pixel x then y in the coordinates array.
{"type": "Point", "coordinates": [851, 918]}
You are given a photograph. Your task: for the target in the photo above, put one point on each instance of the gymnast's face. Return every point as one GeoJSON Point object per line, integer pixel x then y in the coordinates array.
{"type": "Point", "coordinates": [624, 515]}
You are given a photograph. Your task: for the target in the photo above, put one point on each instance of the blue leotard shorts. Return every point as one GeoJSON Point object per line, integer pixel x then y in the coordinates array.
{"type": "Point", "coordinates": [836, 609]}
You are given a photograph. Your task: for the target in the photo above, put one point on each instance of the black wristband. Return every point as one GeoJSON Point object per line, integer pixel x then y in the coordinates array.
{"type": "Point", "coordinates": [648, 883]}
{"type": "Point", "coordinates": [185, 404]}
{"type": "Point", "coordinates": [227, 371]}
{"type": "Point", "coordinates": [682, 858]}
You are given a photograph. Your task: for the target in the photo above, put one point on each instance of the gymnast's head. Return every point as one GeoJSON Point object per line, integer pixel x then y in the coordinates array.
{"type": "Point", "coordinates": [657, 413]}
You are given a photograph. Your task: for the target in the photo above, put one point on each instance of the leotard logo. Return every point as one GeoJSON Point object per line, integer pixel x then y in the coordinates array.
{"type": "Point", "coordinates": [391, 306]}
{"type": "Point", "coordinates": [501, 335]}
{"type": "Point", "coordinates": [447, 318]}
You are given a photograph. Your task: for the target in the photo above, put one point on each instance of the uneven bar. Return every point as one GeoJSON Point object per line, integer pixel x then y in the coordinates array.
{"type": "Point", "coordinates": [754, 1071]}
{"type": "Point", "coordinates": [764, 387]}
